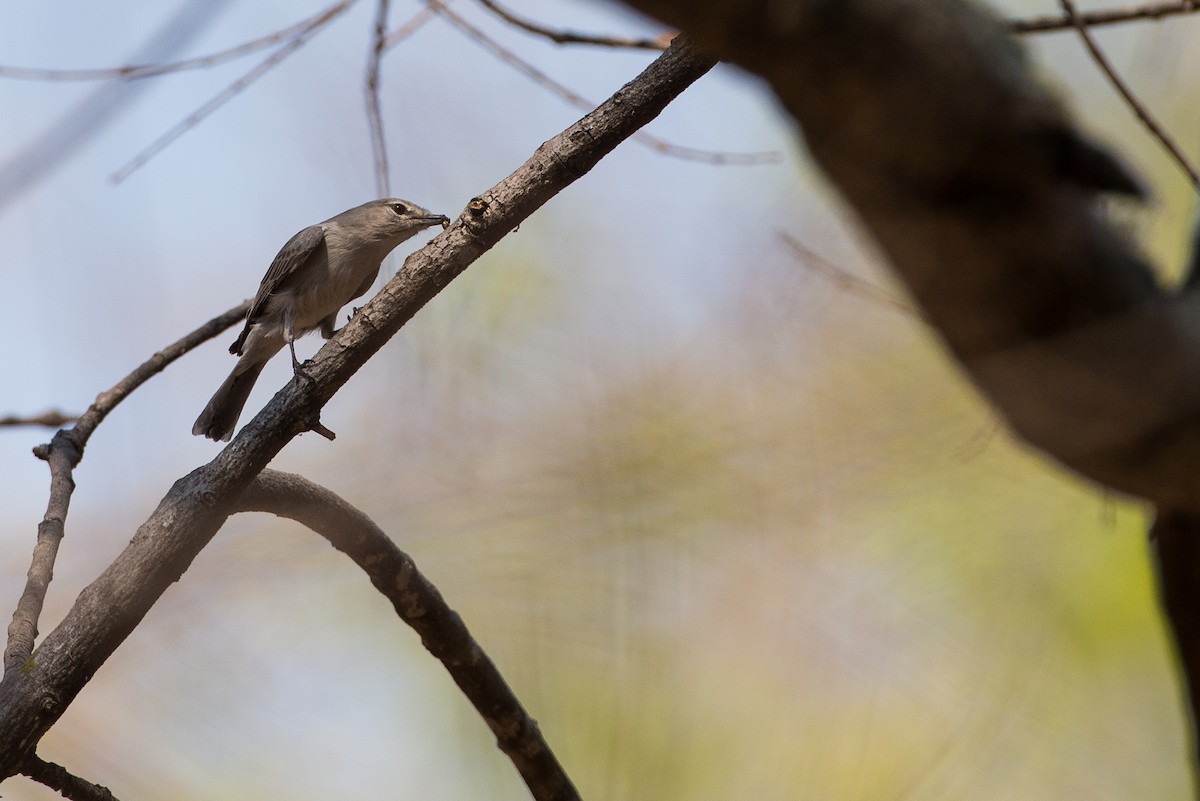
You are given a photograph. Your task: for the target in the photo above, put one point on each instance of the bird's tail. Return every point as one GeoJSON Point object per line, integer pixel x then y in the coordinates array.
{"type": "Point", "coordinates": [220, 416]}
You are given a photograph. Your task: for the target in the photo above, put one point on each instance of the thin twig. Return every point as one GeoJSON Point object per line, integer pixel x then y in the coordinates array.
{"type": "Point", "coordinates": [409, 28]}
{"type": "Point", "coordinates": [575, 99]}
{"type": "Point", "coordinates": [134, 72]}
{"type": "Point", "coordinates": [63, 454]}
{"type": "Point", "coordinates": [107, 401]}
{"type": "Point", "coordinates": [50, 419]}
{"type": "Point", "coordinates": [235, 88]}
{"type": "Point", "coordinates": [1143, 114]}
{"type": "Point", "coordinates": [1109, 16]}
{"type": "Point", "coordinates": [68, 785]}
{"type": "Point", "coordinates": [570, 37]}
{"type": "Point", "coordinates": [420, 605]}
{"type": "Point", "coordinates": [844, 279]}
{"type": "Point", "coordinates": [507, 56]}
{"type": "Point", "coordinates": [374, 114]}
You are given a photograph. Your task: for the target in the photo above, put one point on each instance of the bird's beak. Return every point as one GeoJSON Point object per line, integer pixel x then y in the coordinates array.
{"type": "Point", "coordinates": [437, 219]}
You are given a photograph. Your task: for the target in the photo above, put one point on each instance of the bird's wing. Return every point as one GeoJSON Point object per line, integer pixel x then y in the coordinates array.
{"type": "Point", "coordinates": [290, 259]}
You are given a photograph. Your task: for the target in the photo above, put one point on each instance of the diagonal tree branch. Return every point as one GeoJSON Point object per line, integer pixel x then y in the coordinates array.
{"type": "Point", "coordinates": [34, 694]}
{"type": "Point", "coordinates": [421, 606]}
{"type": "Point", "coordinates": [311, 27]}
{"type": "Point", "coordinates": [135, 72]}
{"type": "Point", "coordinates": [411, 26]}
{"type": "Point", "coordinates": [570, 96]}
{"type": "Point", "coordinates": [844, 279]}
{"type": "Point", "coordinates": [984, 197]}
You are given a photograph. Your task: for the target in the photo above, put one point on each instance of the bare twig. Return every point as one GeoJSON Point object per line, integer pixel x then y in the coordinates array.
{"type": "Point", "coordinates": [108, 400]}
{"type": "Point", "coordinates": [420, 605]}
{"type": "Point", "coordinates": [293, 44]}
{"type": "Point", "coordinates": [844, 279]}
{"type": "Point", "coordinates": [575, 99]}
{"type": "Point", "coordinates": [63, 454]}
{"type": "Point", "coordinates": [570, 37]}
{"type": "Point", "coordinates": [135, 72]}
{"type": "Point", "coordinates": [94, 110]}
{"type": "Point", "coordinates": [50, 419]}
{"type": "Point", "coordinates": [65, 783]}
{"type": "Point", "coordinates": [1143, 114]}
{"type": "Point", "coordinates": [374, 116]}
{"type": "Point", "coordinates": [415, 22]}
{"type": "Point", "coordinates": [1109, 16]}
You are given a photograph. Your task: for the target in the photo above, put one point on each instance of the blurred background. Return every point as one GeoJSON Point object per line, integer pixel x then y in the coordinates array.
{"type": "Point", "coordinates": [705, 487]}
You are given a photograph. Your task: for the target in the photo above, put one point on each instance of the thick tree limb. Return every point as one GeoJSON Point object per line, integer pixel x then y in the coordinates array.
{"type": "Point", "coordinates": [968, 173]}
{"type": "Point", "coordinates": [984, 197]}
{"type": "Point", "coordinates": [35, 693]}
{"type": "Point", "coordinates": [421, 606]}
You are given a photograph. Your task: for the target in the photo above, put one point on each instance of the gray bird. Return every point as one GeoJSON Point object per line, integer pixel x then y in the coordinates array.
{"type": "Point", "coordinates": [317, 272]}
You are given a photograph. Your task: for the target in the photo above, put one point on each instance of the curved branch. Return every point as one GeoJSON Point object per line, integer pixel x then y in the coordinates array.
{"type": "Point", "coordinates": [421, 606]}
{"type": "Point", "coordinates": [36, 694]}
{"type": "Point", "coordinates": [51, 419]}
{"type": "Point", "coordinates": [63, 453]}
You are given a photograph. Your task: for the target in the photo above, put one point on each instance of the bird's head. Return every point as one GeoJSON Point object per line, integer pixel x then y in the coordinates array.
{"type": "Point", "coordinates": [392, 220]}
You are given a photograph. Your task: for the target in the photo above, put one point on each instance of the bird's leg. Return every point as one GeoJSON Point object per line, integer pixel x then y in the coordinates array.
{"type": "Point", "coordinates": [290, 336]}
{"type": "Point", "coordinates": [297, 367]}
{"type": "Point", "coordinates": [295, 362]}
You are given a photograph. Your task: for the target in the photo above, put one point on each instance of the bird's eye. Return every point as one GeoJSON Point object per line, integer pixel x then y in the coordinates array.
{"type": "Point", "coordinates": [400, 208]}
